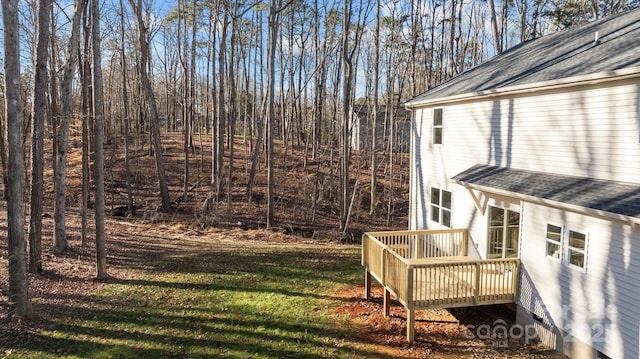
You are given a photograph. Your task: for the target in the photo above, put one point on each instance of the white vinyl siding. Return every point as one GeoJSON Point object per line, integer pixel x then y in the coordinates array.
{"type": "Point", "coordinates": [602, 297]}
{"type": "Point", "coordinates": [419, 190]}
{"type": "Point", "coordinates": [584, 132]}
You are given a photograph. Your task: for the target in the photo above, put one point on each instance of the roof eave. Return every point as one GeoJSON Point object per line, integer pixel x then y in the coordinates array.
{"type": "Point", "coordinates": [591, 79]}
{"type": "Point", "coordinates": [554, 204]}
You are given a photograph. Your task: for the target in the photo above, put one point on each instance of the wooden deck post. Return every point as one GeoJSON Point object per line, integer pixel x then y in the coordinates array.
{"type": "Point", "coordinates": [410, 306]}
{"type": "Point", "coordinates": [465, 243]}
{"type": "Point", "coordinates": [367, 284]}
{"type": "Point", "coordinates": [386, 302]}
{"type": "Point", "coordinates": [477, 283]}
{"type": "Point", "coordinates": [411, 331]}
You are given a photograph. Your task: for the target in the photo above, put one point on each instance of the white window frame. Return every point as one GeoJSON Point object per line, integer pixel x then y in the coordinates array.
{"type": "Point", "coordinates": [435, 127]}
{"type": "Point", "coordinates": [440, 207]}
{"type": "Point", "coordinates": [571, 248]}
{"type": "Point", "coordinates": [566, 249]}
{"type": "Point", "coordinates": [554, 242]}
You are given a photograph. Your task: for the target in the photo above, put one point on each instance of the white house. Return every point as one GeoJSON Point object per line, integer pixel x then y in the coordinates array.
{"type": "Point", "coordinates": [537, 153]}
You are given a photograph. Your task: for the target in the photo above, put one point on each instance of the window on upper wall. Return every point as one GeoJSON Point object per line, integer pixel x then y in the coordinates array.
{"type": "Point", "coordinates": [577, 249]}
{"type": "Point", "coordinates": [437, 126]}
{"type": "Point", "coordinates": [566, 246]}
{"type": "Point", "coordinates": [554, 241]}
{"type": "Point", "coordinates": [441, 206]}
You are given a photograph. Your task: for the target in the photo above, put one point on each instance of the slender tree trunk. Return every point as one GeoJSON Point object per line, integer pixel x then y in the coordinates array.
{"type": "Point", "coordinates": [53, 88]}
{"type": "Point", "coordinates": [214, 113]}
{"type": "Point", "coordinates": [19, 306]}
{"type": "Point", "coordinates": [452, 36]}
{"type": "Point", "coordinates": [98, 115]}
{"type": "Point", "coordinates": [87, 111]}
{"type": "Point", "coordinates": [256, 153]}
{"type": "Point", "coordinates": [259, 116]}
{"type": "Point", "coordinates": [232, 110]}
{"type": "Point", "coordinates": [316, 79]}
{"type": "Point", "coordinates": [346, 97]}
{"type": "Point", "coordinates": [37, 136]}
{"type": "Point", "coordinates": [3, 155]}
{"type": "Point", "coordinates": [374, 118]}
{"type": "Point", "coordinates": [271, 73]}
{"type": "Point", "coordinates": [187, 99]}
{"type": "Point", "coordinates": [125, 103]}
{"type": "Point", "coordinates": [62, 138]}
{"type": "Point", "coordinates": [192, 79]}
{"type": "Point", "coordinates": [146, 86]}
{"type": "Point", "coordinates": [222, 113]}
{"type": "Point", "coordinates": [497, 37]}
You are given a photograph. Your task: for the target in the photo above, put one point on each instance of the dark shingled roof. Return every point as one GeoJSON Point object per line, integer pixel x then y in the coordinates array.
{"type": "Point", "coordinates": [608, 196]}
{"type": "Point", "coordinates": [559, 55]}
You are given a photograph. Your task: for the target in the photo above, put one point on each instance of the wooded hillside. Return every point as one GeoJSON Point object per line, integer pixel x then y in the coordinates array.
{"type": "Point", "coordinates": [261, 95]}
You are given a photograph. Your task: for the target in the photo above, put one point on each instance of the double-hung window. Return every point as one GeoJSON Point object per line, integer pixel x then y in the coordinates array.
{"type": "Point", "coordinates": [554, 241]}
{"type": "Point", "coordinates": [441, 206]}
{"type": "Point", "coordinates": [568, 247]}
{"type": "Point", "coordinates": [577, 247]}
{"type": "Point", "coordinates": [437, 126]}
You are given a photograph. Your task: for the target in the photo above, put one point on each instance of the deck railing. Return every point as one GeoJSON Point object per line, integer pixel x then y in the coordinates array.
{"type": "Point", "coordinates": [429, 269]}
{"type": "Point", "coordinates": [425, 243]}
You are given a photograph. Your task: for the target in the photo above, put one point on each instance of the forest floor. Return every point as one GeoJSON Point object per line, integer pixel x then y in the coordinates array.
{"type": "Point", "coordinates": [305, 214]}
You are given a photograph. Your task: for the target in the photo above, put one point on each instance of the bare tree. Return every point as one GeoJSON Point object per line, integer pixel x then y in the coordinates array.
{"type": "Point", "coordinates": [347, 63]}
{"type": "Point", "coordinates": [37, 136]}
{"type": "Point", "coordinates": [98, 130]}
{"type": "Point", "coordinates": [19, 306]}
{"type": "Point", "coordinates": [221, 116]}
{"type": "Point", "coordinates": [87, 110]}
{"type": "Point", "coordinates": [350, 46]}
{"type": "Point", "coordinates": [497, 36]}
{"type": "Point", "coordinates": [275, 8]}
{"type": "Point", "coordinates": [274, 17]}
{"type": "Point", "coordinates": [374, 113]}
{"type": "Point", "coordinates": [125, 103]}
{"type": "Point", "coordinates": [148, 91]}
{"type": "Point", "coordinates": [62, 137]}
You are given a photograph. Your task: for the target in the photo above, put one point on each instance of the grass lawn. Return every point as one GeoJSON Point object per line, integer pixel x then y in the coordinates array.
{"type": "Point", "coordinates": [207, 296]}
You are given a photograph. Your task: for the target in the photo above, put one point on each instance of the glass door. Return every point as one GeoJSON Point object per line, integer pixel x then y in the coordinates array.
{"type": "Point", "coordinates": [504, 233]}
{"type": "Point", "coordinates": [496, 232]}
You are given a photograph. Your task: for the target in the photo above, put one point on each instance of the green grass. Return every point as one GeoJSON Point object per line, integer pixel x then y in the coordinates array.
{"type": "Point", "coordinates": [251, 301]}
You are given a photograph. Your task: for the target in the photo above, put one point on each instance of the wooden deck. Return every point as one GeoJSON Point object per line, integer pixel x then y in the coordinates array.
{"type": "Point", "coordinates": [431, 269]}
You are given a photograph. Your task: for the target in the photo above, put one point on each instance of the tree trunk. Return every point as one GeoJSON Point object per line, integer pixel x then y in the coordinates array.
{"type": "Point", "coordinates": [98, 130]}
{"type": "Point", "coordinates": [87, 111]}
{"type": "Point", "coordinates": [271, 73]}
{"type": "Point", "coordinates": [62, 138]}
{"type": "Point", "coordinates": [125, 103]}
{"type": "Point", "coordinates": [37, 136]}
{"type": "Point", "coordinates": [497, 37]}
{"type": "Point", "coordinates": [192, 83]}
{"type": "Point", "coordinates": [146, 86]}
{"type": "Point", "coordinates": [19, 306]}
{"type": "Point", "coordinates": [214, 112]}
{"type": "Point", "coordinates": [346, 97]}
{"type": "Point", "coordinates": [260, 116]}
{"type": "Point", "coordinates": [232, 109]}
{"type": "Point", "coordinates": [374, 118]}
{"type": "Point", "coordinates": [222, 113]}
{"type": "Point", "coordinates": [256, 153]}
{"type": "Point", "coordinates": [187, 99]}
